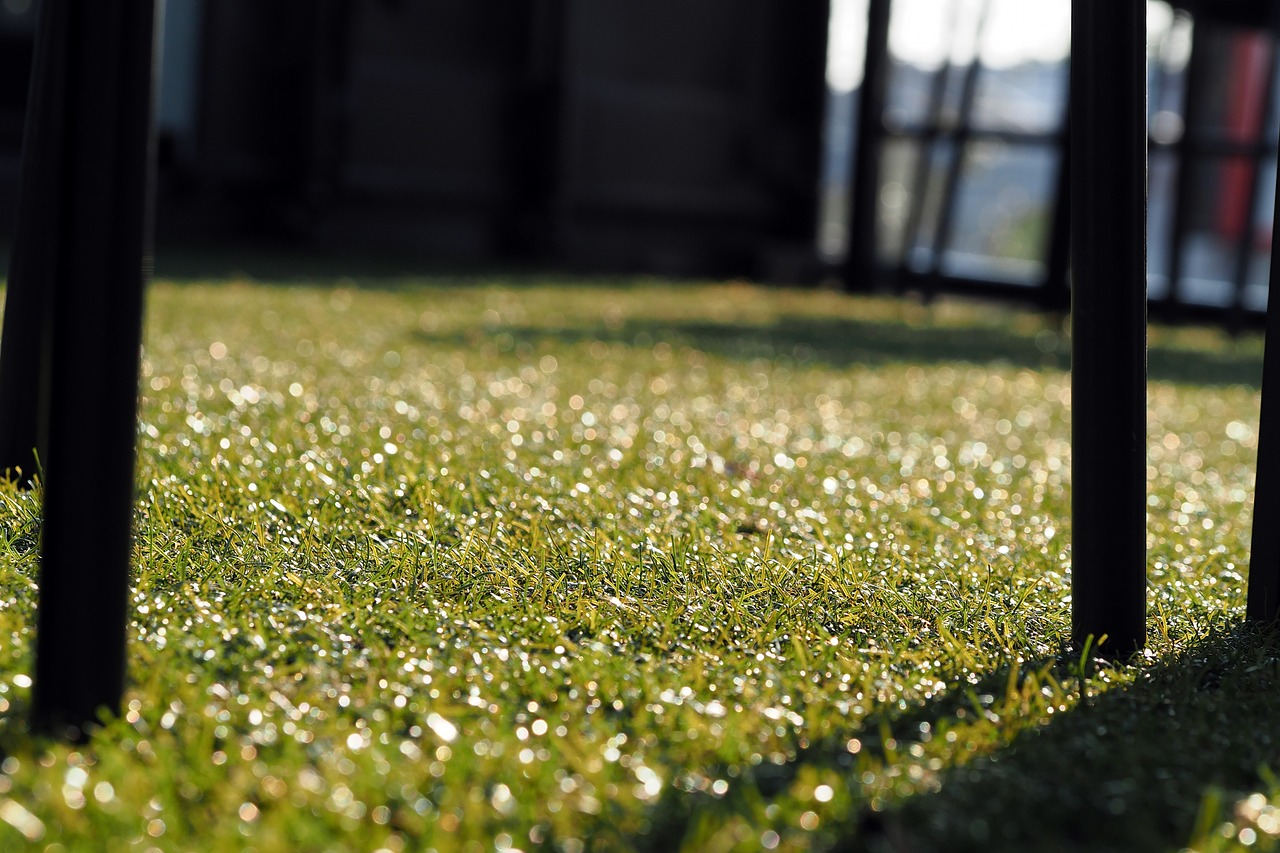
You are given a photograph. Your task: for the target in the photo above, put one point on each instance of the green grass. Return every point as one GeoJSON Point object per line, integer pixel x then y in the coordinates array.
{"type": "Point", "coordinates": [525, 565]}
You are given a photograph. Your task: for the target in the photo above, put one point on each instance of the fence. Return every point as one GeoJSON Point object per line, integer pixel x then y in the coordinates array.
{"type": "Point", "coordinates": [964, 140]}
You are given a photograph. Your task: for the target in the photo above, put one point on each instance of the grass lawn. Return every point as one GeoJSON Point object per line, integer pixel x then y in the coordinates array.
{"type": "Point", "coordinates": [515, 564]}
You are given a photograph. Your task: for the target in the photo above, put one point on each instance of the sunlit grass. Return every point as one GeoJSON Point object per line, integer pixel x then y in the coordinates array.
{"type": "Point", "coordinates": [523, 565]}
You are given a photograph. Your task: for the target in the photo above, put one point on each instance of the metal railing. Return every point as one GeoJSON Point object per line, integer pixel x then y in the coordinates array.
{"type": "Point", "coordinates": [1213, 118]}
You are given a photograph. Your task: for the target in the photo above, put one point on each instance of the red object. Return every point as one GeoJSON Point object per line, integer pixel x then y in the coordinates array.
{"type": "Point", "coordinates": [1248, 66]}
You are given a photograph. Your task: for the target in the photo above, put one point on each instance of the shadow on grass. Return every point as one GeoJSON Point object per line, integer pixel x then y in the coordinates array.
{"type": "Point", "coordinates": [1130, 769]}
{"type": "Point", "coordinates": [1127, 770]}
{"type": "Point", "coordinates": [834, 341]}
{"type": "Point", "coordinates": [840, 342]}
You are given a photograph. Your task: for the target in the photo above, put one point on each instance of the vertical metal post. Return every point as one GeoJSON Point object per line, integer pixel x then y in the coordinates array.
{"type": "Point", "coordinates": [1109, 298]}
{"type": "Point", "coordinates": [1189, 149]}
{"type": "Point", "coordinates": [28, 298]}
{"type": "Point", "coordinates": [77, 270]}
{"type": "Point", "coordinates": [930, 144]}
{"type": "Point", "coordinates": [861, 267]}
{"type": "Point", "coordinates": [1055, 293]}
{"type": "Point", "coordinates": [960, 138]}
{"type": "Point", "coordinates": [1264, 555]}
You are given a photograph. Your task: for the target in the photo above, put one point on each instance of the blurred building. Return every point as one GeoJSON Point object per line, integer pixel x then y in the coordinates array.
{"type": "Point", "coordinates": [670, 136]}
{"type": "Point", "coordinates": [688, 136]}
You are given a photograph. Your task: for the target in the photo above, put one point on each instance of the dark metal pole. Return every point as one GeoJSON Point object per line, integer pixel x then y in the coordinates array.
{"type": "Point", "coordinates": [1109, 298]}
{"type": "Point", "coordinates": [960, 137]}
{"type": "Point", "coordinates": [28, 297]}
{"type": "Point", "coordinates": [78, 266]}
{"type": "Point", "coordinates": [1190, 156]}
{"type": "Point", "coordinates": [1055, 291]}
{"type": "Point", "coordinates": [930, 145]}
{"type": "Point", "coordinates": [1264, 555]}
{"type": "Point", "coordinates": [861, 267]}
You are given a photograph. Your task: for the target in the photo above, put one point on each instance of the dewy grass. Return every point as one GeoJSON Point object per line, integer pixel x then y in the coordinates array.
{"type": "Point", "coordinates": [525, 565]}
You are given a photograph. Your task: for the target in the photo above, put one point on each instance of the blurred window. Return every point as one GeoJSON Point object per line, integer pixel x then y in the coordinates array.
{"type": "Point", "coordinates": [973, 146]}
{"type": "Point", "coordinates": [980, 87]}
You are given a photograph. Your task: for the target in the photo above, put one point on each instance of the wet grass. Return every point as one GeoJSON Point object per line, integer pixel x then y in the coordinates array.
{"type": "Point", "coordinates": [518, 565]}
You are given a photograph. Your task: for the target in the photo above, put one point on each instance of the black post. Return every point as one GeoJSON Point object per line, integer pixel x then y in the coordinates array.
{"type": "Point", "coordinates": [861, 266]}
{"type": "Point", "coordinates": [1264, 555]}
{"type": "Point", "coordinates": [1190, 152]}
{"type": "Point", "coordinates": [77, 273]}
{"type": "Point", "coordinates": [35, 249]}
{"type": "Point", "coordinates": [1055, 293]}
{"type": "Point", "coordinates": [964, 125]}
{"type": "Point", "coordinates": [1109, 300]}
{"type": "Point", "coordinates": [930, 145]}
